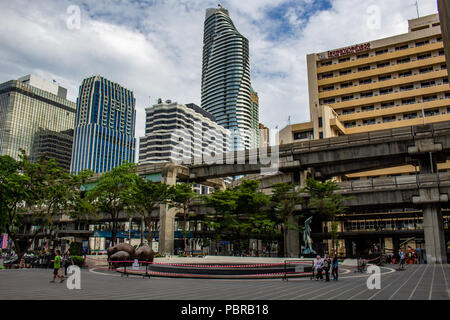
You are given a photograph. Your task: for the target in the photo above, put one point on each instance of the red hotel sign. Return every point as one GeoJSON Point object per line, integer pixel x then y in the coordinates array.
{"type": "Point", "coordinates": [349, 50]}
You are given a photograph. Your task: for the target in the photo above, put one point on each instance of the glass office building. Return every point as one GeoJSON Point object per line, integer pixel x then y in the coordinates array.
{"type": "Point", "coordinates": [226, 87]}
{"type": "Point", "coordinates": [105, 125]}
{"type": "Point", "coordinates": [28, 106]}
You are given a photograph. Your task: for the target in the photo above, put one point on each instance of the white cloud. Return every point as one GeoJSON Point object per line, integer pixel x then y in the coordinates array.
{"type": "Point", "coordinates": [155, 47]}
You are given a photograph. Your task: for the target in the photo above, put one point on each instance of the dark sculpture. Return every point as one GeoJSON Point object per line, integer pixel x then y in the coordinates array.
{"type": "Point", "coordinates": [144, 253]}
{"type": "Point", "coordinates": [126, 252]}
{"type": "Point", "coordinates": [119, 256]}
{"type": "Point", "coordinates": [127, 248]}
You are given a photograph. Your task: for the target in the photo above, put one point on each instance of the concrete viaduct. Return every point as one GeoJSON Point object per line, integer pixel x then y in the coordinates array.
{"type": "Point", "coordinates": [423, 146]}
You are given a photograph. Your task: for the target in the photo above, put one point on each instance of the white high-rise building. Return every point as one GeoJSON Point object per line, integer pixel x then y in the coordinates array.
{"type": "Point", "coordinates": [181, 133]}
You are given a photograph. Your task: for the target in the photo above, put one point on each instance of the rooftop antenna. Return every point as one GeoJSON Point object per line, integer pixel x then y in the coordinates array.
{"type": "Point", "coordinates": [289, 120]}
{"type": "Point", "coordinates": [417, 8]}
{"type": "Point", "coordinates": [220, 6]}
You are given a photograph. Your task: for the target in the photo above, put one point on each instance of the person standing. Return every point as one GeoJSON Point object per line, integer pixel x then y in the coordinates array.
{"type": "Point", "coordinates": [334, 270]}
{"type": "Point", "coordinates": [326, 267]}
{"type": "Point", "coordinates": [402, 260]}
{"type": "Point", "coordinates": [318, 267]}
{"type": "Point", "coordinates": [67, 262]}
{"type": "Point", "coordinates": [57, 266]}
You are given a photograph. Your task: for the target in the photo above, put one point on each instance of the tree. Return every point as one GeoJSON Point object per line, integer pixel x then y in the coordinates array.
{"type": "Point", "coordinates": [32, 194]}
{"type": "Point", "coordinates": [285, 200]}
{"type": "Point", "coordinates": [325, 202]}
{"type": "Point", "coordinates": [182, 198]}
{"type": "Point", "coordinates": [239, 212]}
{"type": "Point", "coordinates": [149, 196]}
{"type": "Point", "coordinates": [113, 194]}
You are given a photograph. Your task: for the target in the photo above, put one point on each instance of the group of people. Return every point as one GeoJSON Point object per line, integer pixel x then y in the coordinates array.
{"type": "Point", "coordinates": [323, 266]}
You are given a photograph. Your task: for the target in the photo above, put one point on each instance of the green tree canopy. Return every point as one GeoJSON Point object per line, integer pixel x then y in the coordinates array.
{"type": "Point", "coordinates": [147, 197]}
{"type": "Point", "coordinates": [114, 194]}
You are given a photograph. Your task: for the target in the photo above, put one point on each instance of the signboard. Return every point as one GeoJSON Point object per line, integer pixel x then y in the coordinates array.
{"type": "Point", "coordinates": [155, 246]}
{"type": "Point", "coordinates": [4, 240]}
{"type": "Point", "coordinates": [345, 51]}
{"type": "Point", "coordinates": [136, 264]}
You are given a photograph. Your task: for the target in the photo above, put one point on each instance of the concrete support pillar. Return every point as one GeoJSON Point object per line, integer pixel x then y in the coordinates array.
{"type": "Point", "coordinates": [167, 215]}
{"type": "Point", "coordinates": [166, 232]}
{"type": "Point", "coordinates": [292, 239]}
{"type": "Point", "coordinates": [434, 234]}
{"type": "Point", "coordinates": [293, 236]}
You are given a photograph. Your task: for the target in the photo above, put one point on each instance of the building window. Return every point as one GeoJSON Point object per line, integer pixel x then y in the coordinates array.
{"type": "Point", "coordinates": [320, 122]}
{"type": "Point", "coordinates": [408, 116]}
{"type": "Point", "coordinates": [367, 108]}
{"type": "Point", "coordinates": [403, 47]}
{"type": "Point", "coordinates": [426, 70]}
{"type": "Point", "coordinates": [330, 88]}
{"type": "Point", "coordinates": [386, 91]}
{"type": "Point", "coordinates": [327, 101]}
{"type": "Point", "coordinates": [408, 101]}
{"type": "Point", "coordinates": [405, 60]}
{"type": "Point", "coordinates": [389, 119]}
{"type": "Point", "coordinates": [365, 68]}
{"type": "Point", "coordinates": [387, 105]}
{"type": "Point", "coordinates": [344, 59]}
{"type": "Point", "coordinates": [351, 124]}
{"type": "Point", "coordinates": [344, 72]}
{"type": "Point", "coordinates": [407, 88]}
{"type": "Point", "coordinates": [365, 81]}
{"type": "Point", "coordinates": [429, 98]}
{"type": "Point", "coordinates": [369, 122]}
{"type": "Point", "coordinates": [346, 85]}
{"type": "Point", "coordinates": [327, 75]}
{"type": "Point", "coordinates": [348, 111]}
{"type": "Point", "coordinates": [320, 135]}
{"type": "Point", "coordinates": [303, 135]}
{"type": "Point", "coordinates": [366, 94]}
{"type": "Point", "coordinates": [422, 43]}
{"type": "Point", "coordinates": [384, 78]}
{"type": "Point", "coordinates": [405, 74]}
{"type": "Point", "coordinates": [327, 63]}
{"type": "Point", "coordinates": [430, 113]}
{"type": "Point", "coordinates": [383, 64]}
{"type": "Point", "coordinates": [428, 84]}
{"type": "Point", "coordinates": [347, 98]}
{"type": "Point", "coordinates": [424, 56]}
{"type": "Point", "coordinates": [362, 56]}
{"type": "Point", "coordinates": [383, 51]}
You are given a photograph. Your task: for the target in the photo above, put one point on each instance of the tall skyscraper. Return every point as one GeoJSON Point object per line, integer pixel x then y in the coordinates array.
{"type": "Point", "coordinates": [104, 128]}
{"type": "Point", "coordinates": [30, 106]}
{"type": "Point", "coordinates": [226, 87]}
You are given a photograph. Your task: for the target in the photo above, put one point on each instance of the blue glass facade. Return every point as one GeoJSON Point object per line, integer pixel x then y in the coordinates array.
{"type": "Point", "coordinates": [105, 126]}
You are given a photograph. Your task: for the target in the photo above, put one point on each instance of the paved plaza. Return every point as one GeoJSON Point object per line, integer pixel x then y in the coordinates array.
{"type": "Point", "coordinates": [417, 282]}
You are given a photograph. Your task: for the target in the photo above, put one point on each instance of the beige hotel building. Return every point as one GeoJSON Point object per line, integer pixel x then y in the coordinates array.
{"type": "Point", "coordinates": [392, 82]}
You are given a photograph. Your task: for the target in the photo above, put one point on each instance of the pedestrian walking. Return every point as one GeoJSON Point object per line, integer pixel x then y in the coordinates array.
{"type": "Point", "coordinates": [57, 266]}
{"type": "Point", "coordinates": [335, 266]}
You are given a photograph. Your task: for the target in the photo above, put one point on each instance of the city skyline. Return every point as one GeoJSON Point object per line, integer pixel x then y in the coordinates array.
{"type": "Point", "coordinates": [280, 35]}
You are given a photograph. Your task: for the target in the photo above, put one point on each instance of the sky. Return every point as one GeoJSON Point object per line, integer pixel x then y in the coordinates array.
{"type": "Point", "coordinates": [154, 47]}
